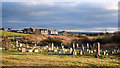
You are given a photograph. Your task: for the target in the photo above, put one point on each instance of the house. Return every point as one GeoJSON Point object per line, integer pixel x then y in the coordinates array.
{"type": "Point", "coordinates": [41, 31]}
{"type": "Point", "coordinates": [28, 30]}
{"type": "Point", "coordinates": [62, 32]}
{"type": "Point", "coordinates": [53, 32]}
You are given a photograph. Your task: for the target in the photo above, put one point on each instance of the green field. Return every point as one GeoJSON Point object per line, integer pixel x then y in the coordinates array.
{"type": "Point", "coordinates": [15, 58]}
{"type": "Point", "coordinates": [11, 34]}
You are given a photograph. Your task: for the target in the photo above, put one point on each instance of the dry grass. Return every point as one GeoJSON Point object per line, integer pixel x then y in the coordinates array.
{"type": "Point", "coordinates": [13, 58]}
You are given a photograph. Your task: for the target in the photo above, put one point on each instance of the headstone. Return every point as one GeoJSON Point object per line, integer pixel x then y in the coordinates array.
{"type": "Point", "coordinates": [20, 45]}
{"type": "Point", "coordinates": [112, 52]}
{"type": "Point", "coordinates": [27, 46]}
{"type": "Point", "coordinates": [30, 50]}
{"type": "Point", "coordinates": [94, 51]}
{"type": "Point", "coordinates": [35, 44]}
{"type": "Point", "coordinates": [16, 43]}
{"type": "Point", "coordinates": [23, 50]}
{"type": "Point", "coordinates": [36, 50]}
{"type": "Point", "coordinates": [94, 45]}
{"type": "Point", "coordinates": [87, 50]}
{"type": "Point", "coordinates": [87, 45]}
{"type": "Point", "coordinates": [117, 50]}
{"type": "Point", "coordinates": [91, 51]}
{"type": "Point", "coordinates": [46, 46]}
{"type": "Point", "coordinates": [49, 49]}
{"type": "Point", "coordinates": [63, 51]}
{"type": "Point", "coordinates": [62, 47]}
{"type": "Point", "coordinates": [55, 51]}
{"type": "Point", "coordinates": [98, 49]}
{"type": "Point", "coordinates": [77, 45]}
{"type": "Point", "coordinates": [90, 47]}
{"type": "Point", "coordinates": [59, 52]}
{"type": "Point", "coordinates": [80, 52]}
{"type": "Point", "coordinates": [82, 47]}
{"type": "Point", "coordinates": [52, 46]}
{"type": "Point", "coordinates": [74, 52]}
{"type": "Point", "coordinates": [71, 50]}
{"type": "Point", "coordinates": [19, 49]}
{"type": "Point", "coordinates": [73, 45]}
{"type": "Point", "coordinates": [104, 52]}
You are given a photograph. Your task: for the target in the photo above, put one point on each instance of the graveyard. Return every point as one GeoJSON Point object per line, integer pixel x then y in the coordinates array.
{"type": "Point", "coordinates": [19, 53]}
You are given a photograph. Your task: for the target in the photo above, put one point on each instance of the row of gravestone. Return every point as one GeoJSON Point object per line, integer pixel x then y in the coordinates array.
{"type": "Point", "coordinates": [70, 51]}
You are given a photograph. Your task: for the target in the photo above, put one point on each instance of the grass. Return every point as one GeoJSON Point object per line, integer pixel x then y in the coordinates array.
{"type": "Point", "coordinates": [15, 58]}
{"type": "Point", "coordinates": [11, 34]}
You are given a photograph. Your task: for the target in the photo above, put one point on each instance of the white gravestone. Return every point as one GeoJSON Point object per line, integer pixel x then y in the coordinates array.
{"type": "Point", "coordinates": [77, 45]}
{"type": "Point", "coordinates": [36, 50]}
{"type": "Point", "coordinates": [20, 45]}
{"type": "Point", "coordinates": [30, 50]}
{"type": "Point", "coordinates": [52, 46]}
{"type": "Point", "coordinates": [73, 45]}
{"type": "Point", "coordinates": [87, 45]}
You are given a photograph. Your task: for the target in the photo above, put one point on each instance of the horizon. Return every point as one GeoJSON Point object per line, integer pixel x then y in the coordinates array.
{"type": "Point", "coordinates": [70, 16]}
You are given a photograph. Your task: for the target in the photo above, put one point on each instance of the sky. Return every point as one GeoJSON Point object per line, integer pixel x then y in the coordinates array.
{"type": "Point", "coordinates": [82, 16]}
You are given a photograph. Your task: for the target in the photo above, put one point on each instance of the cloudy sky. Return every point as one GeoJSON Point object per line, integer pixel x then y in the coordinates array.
{"type": "Point", "coordinates": [80, 16]}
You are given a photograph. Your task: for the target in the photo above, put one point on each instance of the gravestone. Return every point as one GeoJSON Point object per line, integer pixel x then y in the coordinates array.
{"type": "Point", "coordinates": [62, 47]}
{"type": "Point", "coordinates": [74, 52]}
{"type": "Point", "coordinates": [63, 51]}
{"type": "Point", "coordinates": [52, 46]}
{"type": "Point", "coordinates": [104, 52]}
{"type": "Point", "coordinates": [57, 47]}
{"type": "Point", "coordinates": [91, 51]}
{"type": "Point", "coordinates": [71, 50]}
{"type": "Point", "coordinates": [98, 49]}
{"type": "Point", "coordinates": [87, 45]}
{"type": "Point", "coordinates": [16, 43]}
{"type": "Point", "coordinates": [87, 50]}
{"type": "Point", "coordinates": [55, 51]}
{"type": "Point", "coordinates": [94, 45]}
{"type": "Point", "coordinates": [90, 47]}
{"type": "Point", "coordinates": [59, 52]}
{"type": "Point", "coordinates": [30, 50]}
{"type": "Point", "coordinates": [27, 46]}
{"type": "Point", "coordinates": [35, 44]}
{"type": "Point", "coordinates": [23, 49]}
{"type": "Point", "coordinates": [21, 45]}
{"type": "Point", "coordinates": [19, 49]}
{"type": "Point", "coordinates": [82, 48]}
{"type": "Point", "coordinates": [36, 50]}
{"type": "Point", "coordinates": [94, 51]}
{"type": "Point", "coordinates": [81, 52]}
{"type": "Point", "coordinates": [77, 45]}
{"type": "Point", "coordinates": [73, 45]}
{"type": "Point", "coordinates": [49, 49]}
{"type": "Point", "coordinates": [46, 46]}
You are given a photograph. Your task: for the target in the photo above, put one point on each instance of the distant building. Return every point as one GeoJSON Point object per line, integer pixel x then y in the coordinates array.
{"type": "Point", "coordinates": [28, 30]}
{"type": "Point", "coordinates": [53, 32]}
{"type": "Point", "coordinates": [41, 31]}
{"type": "Point", "coordinates": [17, 30]}
{"type": "Point", "coordinates": [62, 32]}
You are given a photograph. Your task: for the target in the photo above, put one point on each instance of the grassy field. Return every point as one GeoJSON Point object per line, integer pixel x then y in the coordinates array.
{"type": "Point", "coordinates": [15, 58]}
{"type": "Point", "coordinates": [11, 34]}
